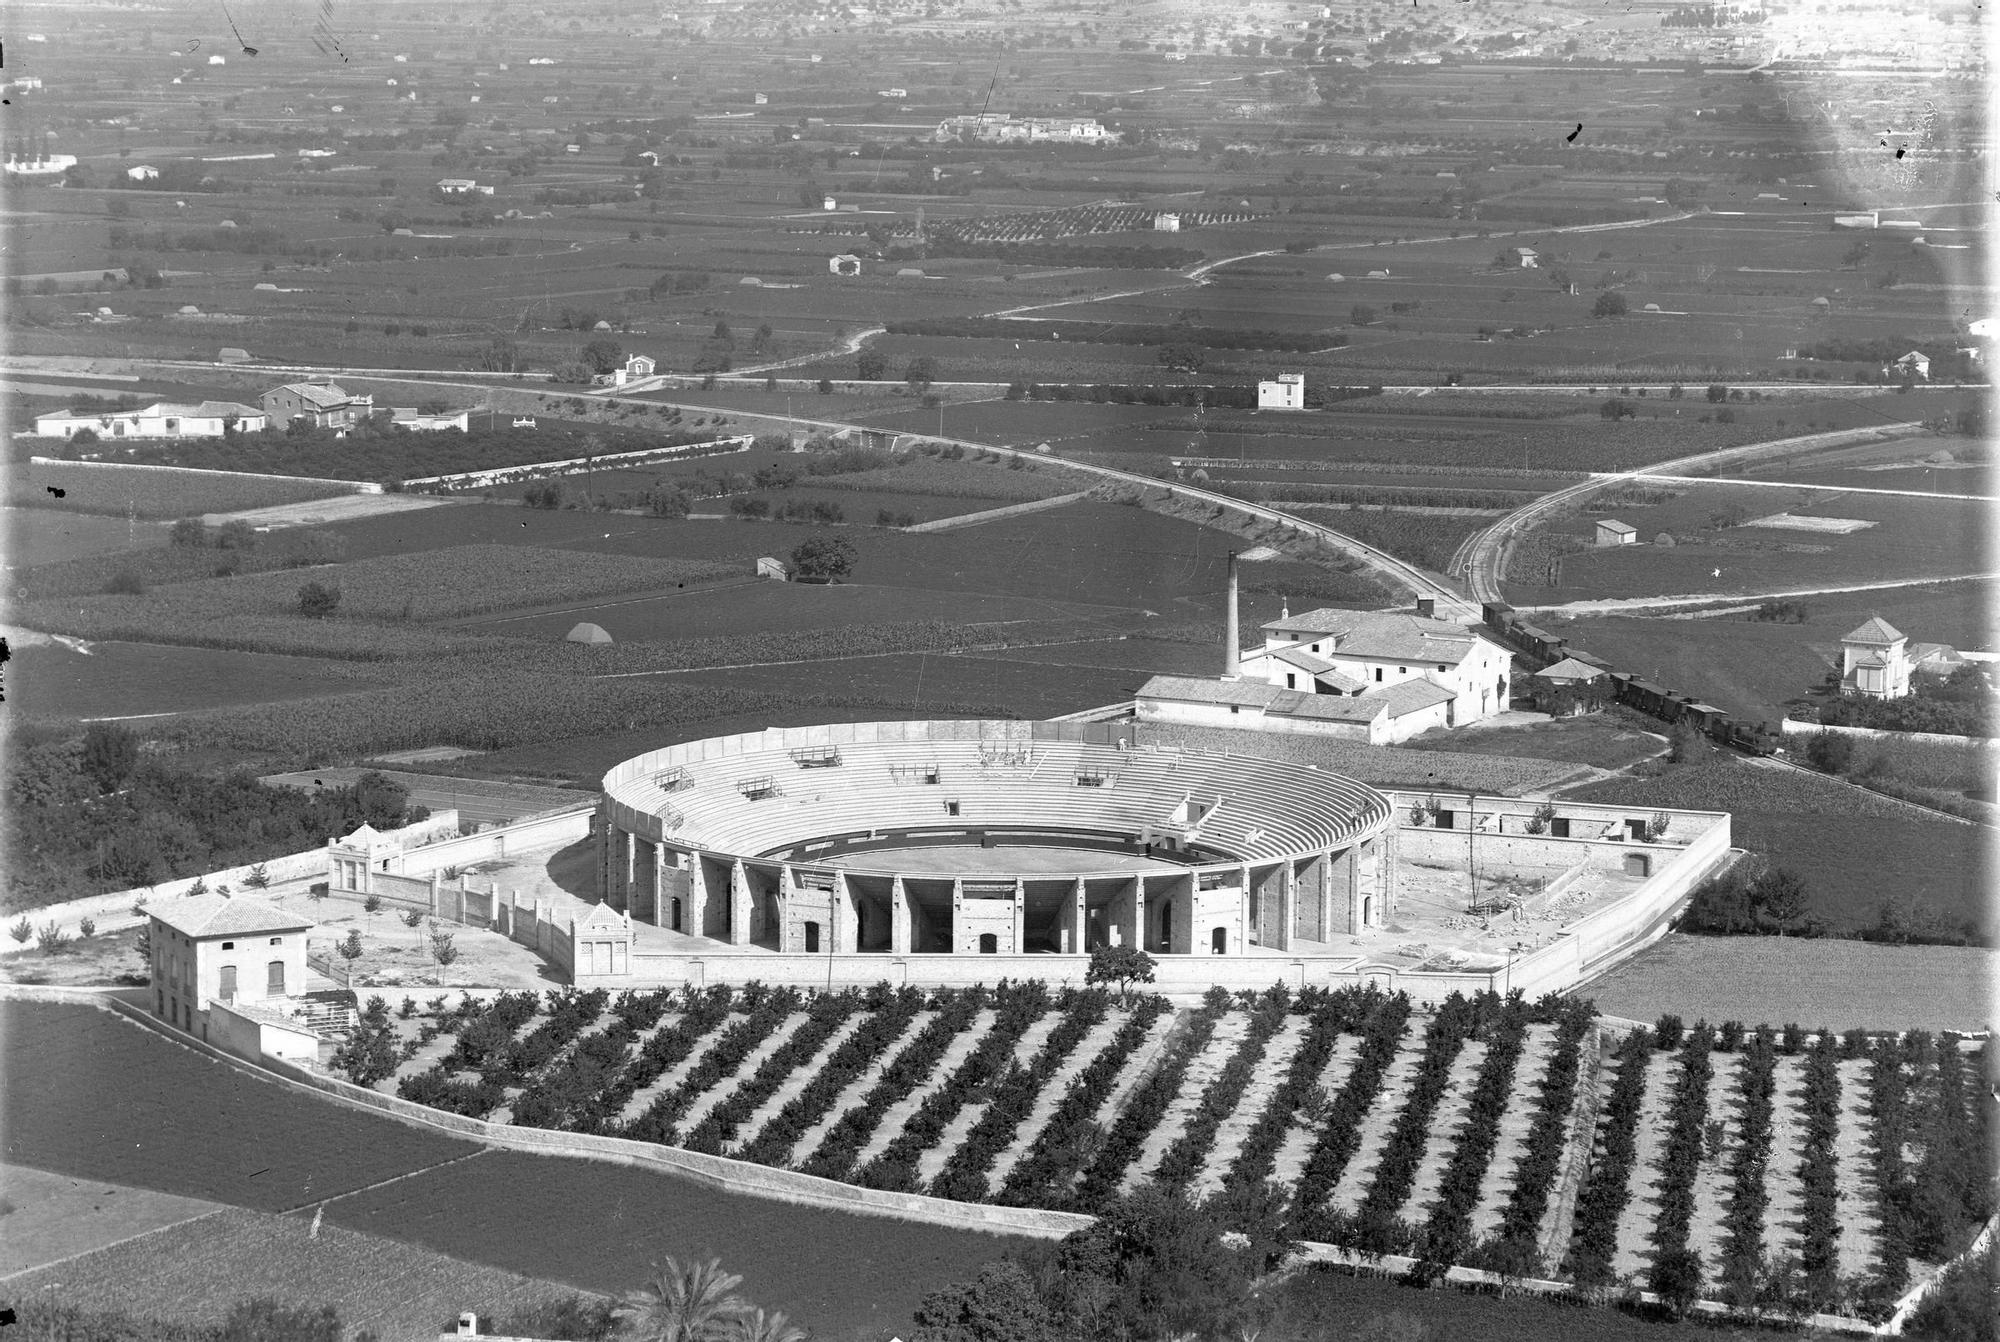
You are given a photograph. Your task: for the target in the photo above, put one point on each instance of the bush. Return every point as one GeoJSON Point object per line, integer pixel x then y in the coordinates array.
{"type": "Point", "coordinates": [1610, 303]}
{"type": "Point", "coordinates": [125, 583]}
{"type": "Point", "coordinates": [317, 601]}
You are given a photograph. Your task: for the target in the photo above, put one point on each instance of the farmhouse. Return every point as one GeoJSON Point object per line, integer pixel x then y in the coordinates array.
{"type": "Point", "coordinates": [1287, 392]}
{"type": "Point", "coordinates": [1875, 661]}
{"type": "Point", "coordinates": [39, 165]}
{"type": "Point", "coordinates": [416, 421]}
{"type": "Point", "coordinates": [1527, 258]}
{"type": "Point", "coordinates": [1364, 675]}
{"type": "Point", "coordinates": [231, 970]}
{"type": "Point", "coordinates": [1166, 223]}
{"type": "Point", "coordinates": [844, 264]}
{"type": "Point", "coordinates": [1001, 128]}
{"type": "Point", "coordinates": [323, 405]}
{"type": "Point", "coordinates": [462, 186]}
{"type": "Point", "coordinates": [1610, 531]}
{"type": "Point", "coordinates": [162, 419]}
{"type": "Point", "coordinates": [143, 172]}
{"type": "Point", "coordinates": [637, 367]}
{"type": "Point", "coordinates": [1915, 364]}
{"type": "Point", "coordinates": [1569, 687]}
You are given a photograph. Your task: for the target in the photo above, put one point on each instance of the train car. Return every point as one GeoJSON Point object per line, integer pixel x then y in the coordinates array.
{"type": "Point", "coordinates": [1707, 718]}
{"type": "Point", "coordinates": [1497, 616]}
{"type": "Point", "coordinates": [1649, 698]}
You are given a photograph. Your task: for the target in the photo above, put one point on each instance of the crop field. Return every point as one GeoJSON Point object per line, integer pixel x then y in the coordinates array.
{"type": "Point", "coordinates": [44, 536]}
{"type": "Point", "coordinates": [944, 684]}
{"type": "Point", "coordinates": [49, 1217]}
{"type": "Point", "coordinates": [1384, 766]}
{"type": "Point", "coordinates": [120, 491]}
{"type": "Point", "coordinates": [1388, 1127]}
{"type": "Point", "coordinates": [762, 608]}
{"type": "Point", "coordinates": [132, 680]}
{"type": "Point", "coordinates": [1841, 985]}
{"type": "Point", "coordinates": [1831, 835]}
{"type": "Point", "coordinates": [1910, 538]}
{"type": "Point", "coordinates": [200, 1268]}
{"type": "Point", "coordinates": [287, 1150]}
{"type": "Point", "coordinates": [1601, 740]}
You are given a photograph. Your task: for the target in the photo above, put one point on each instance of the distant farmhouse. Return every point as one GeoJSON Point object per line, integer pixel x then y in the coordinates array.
{"type": "Point", "coordinates": [1379, 677]}
{"type": "Point", "coordinates": [416, 421]}
{"type": "Point", "coordinates": [1877, 660]}
{"type": "Point", "coordinates": [323, 405]}
{"type": "Point", "coordinates": [1916, 364]}
{"type": "Point", "coordinates": [1288, 392]}
{"type": "Point", "coordinates": [637, 367]}
{"type": "Point", "coordinates": [39, 165]}
{"type": "Point", "coordinates": [1000, 128]}
{"type": "Point", "coordinates": [462, 186]}
{"type": "Point", "coordinates": [232, 971]}
{"type": "Point", "coordinates": [162, 419]}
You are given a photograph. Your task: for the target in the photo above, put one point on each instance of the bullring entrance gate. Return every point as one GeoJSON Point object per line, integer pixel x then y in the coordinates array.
{"type": "Point", "coordinates": [1201, 854]}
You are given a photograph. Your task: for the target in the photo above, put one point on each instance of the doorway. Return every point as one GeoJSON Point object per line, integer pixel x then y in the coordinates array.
{"type": "Point", "coordinates": [1367, 910]}
{"type": "Point", "coordinates": [675, 915]}
{"type": "Point", "coordinates": [989, 944]}
{"type": "Point", "coordinates": [1218, 941]}
{"type": "Point", "coordinates": [812, 938]}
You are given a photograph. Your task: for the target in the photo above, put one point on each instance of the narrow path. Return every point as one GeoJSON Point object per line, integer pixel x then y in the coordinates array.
{"type": "Point", "coordinates": [1636, 605]}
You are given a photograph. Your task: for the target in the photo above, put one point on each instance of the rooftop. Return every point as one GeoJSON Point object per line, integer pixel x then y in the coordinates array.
{"type": "Point", "coordinates": [1390, 636]}
{"type": "Point", "coordinates": [1569, 668]}
{"type": "Point", "coordinates": [222, 915]}
{"type": "Point", "coordinates": [1877, 630]}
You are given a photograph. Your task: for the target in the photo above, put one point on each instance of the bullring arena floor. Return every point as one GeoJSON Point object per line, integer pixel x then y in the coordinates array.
{"type": "Point", "coordinates": [953, 859]}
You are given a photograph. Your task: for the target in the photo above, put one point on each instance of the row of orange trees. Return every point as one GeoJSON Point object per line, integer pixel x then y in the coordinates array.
{"type": "Point", "coordinates": [1340, 1129]}
{"type": "Point", "coordinates": [1100, 1181]}
{"type": "Point", "coordinates": [966, 1174]}
{"type": "Point", "coordinates": [660, 1122]}
{"type": "Point", "coordinates": [1015, 1012]}
{"type": "Point", "coordinates": [1183, 1161]}
{"type": "Point", "coordinates": [888, 1019]}
{"type": "Point", "coordinates": [722, 1123]}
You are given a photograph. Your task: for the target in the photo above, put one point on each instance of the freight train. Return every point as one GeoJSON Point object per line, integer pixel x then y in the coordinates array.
{"type": "Point", "coordinates": [1629, 689]}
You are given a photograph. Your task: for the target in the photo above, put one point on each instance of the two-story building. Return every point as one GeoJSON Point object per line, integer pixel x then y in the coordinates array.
{"type": "Point", "coordinates": [213, 949]}
{"type": "Point", "coordinates": [324, 405]}
{"type": "Point", "coordinates": [1875, 661]}
{"type": "Point", "coordinates": [1286, 392]}
{"type": "Point", "coordinates": [1356, 653]}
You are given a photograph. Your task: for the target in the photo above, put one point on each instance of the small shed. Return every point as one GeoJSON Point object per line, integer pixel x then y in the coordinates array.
{"type": "Point", "coordinates": [772, 569]}
{"type": "Point", "coordinates": [230, 354]}
{"type": "Point", "coordinates": [1613, 532]}
{"type": "Point", "coordinates": [909, 273]}
{"type": "Point", "coordinates": [751, 281]}
{"type": "Point", "coordinates": [593, 634]}
{"type": "Point", "coordinates": [1335, 277]}
{"type": "Point", "coordinates": [1378, 274]}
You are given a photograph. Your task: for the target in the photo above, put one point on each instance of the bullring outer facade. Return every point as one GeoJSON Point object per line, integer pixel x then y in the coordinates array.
{"type": "Point", "coordinates": [959, 851]}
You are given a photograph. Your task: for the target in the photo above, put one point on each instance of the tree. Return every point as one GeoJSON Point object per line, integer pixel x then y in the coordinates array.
{"type": "Point", "coordinates": [1610, 303]}
{"type": "Point", "coordinates": [442, 951]}
{"type": "Point", "coordinates": [826, 386]}
{"type": "Point", "coordinates": [110, 754]}
{"type": "Point", "coordinates": [1830, 752]}
{"type": "Point", "coordinates": [695, 1302]}
{"type": "Point", "coordinates": [1122, 965]}
{"type": "Point", "coordinates": [823, 558]}
{"type": "Point", "coordinates": [350, 947]}
{"type": "Point", "coordinates": [380, 800]}
{"type": "Point", "coordinates": [413, 919]}
{"type": "Point", "coordinates": [317, 601]}
{"type": "Point", "coordinates": [1780, 897]}
{"type": "Point", "coordinates": [371, 904]}
{"type": "Point", "coordinates": [1361, 314]}
{"type": "Point", "coordinates": [259, 877]}
{"type": "Point", "coordinates": [602, 354]}
{"type": "Point", "coordinates": [869, 365]}
{"type": "Point", "coordinates": [758, 1326]}
{"type": "Point", "coordinates": [236, 535]}
{"type": "Point", "coordinates": [22, 930]}
{"type": "Point", "coordinates": [188, 532]}
{"type": "Point", "coordinates": [920, 372]}
{"type": "Point", "coordinates": [1002, 1304]}
{"type": "Point", "coordinates": [1684, 743]}
{"type": "Point", "coordinates": [1617, 408]}
{"type": "Point", "coordinates": [1717, 393]}
{"type": "Point", "coordinates": [1183, 356]}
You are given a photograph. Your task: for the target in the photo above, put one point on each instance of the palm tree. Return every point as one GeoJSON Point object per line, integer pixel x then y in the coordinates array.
{"type": "Point", "coordinates": [691, 1302]}
{"type": "Point", "coordinates": [757, 1326]}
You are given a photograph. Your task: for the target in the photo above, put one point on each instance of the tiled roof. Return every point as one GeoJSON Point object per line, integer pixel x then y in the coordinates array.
{"type": "Point", "coordinates": [1934, 652]}
{"type": "Point", "coordinates": [1569, 668]}
{"type": "Point", "coordinates": [1207, 690]}
{"type": "Point", "coordinates": [1303, 660]}
{"type": "Point", "coordinates": [1334, 707]}
{"type": "Point", "coordinates": [1412, 696]}
{"type": "Point", "coordinates": [1613, 524]}
{"type": "Point", "coordinates": [1877, 630]}
{"type": "Point", "coordinates": [1384, 636]}
{"type": "Point", "coordinates": [326, 395]}
{"type": "Point", "coordinates": [1870, 659]}
{"type": "Point", "coordinates": [221, 915]}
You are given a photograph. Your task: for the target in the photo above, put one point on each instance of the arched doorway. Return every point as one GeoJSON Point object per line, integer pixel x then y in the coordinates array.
{"type": "Point", "coordinates": [989, 944]}
{"type": "Point", "coordinates": [1367, 910]}
{"type": "Point", "coordinates": [812, 938]}
{"type": "Point", "coordinates": [1218, 941]}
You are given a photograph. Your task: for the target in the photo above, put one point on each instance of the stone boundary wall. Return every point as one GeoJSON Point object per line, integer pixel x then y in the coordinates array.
{"type": "Point", "coordinates": [1793, 727]}
{"type": "Point", "coordinates": [351, 486]}
{"type": "Point", "coordinates": [113, 912]}
{"type": "Point", "coordinates": [996, 514]}
{"type": "Point", "coordinates": [569, 823]}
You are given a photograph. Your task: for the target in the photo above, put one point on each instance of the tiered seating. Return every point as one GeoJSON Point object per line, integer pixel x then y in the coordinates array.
{"type": "Point", "coordinates": [733, 804]}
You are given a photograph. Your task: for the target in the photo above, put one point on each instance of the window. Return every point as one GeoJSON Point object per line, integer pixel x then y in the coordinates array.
{"type": "Point", "coordinates": [277, 941]}
{"type": "Point", "coordinates": [1235, 709]}
{"type": "Point", "coordinates": [1402, 670]}
{"type": "Point", "coordinates": [1441, 666]}
{"type": "Point", "coordinates": [1291, 681]}
{"type": "Point", "coordinates": [228, 945]}
{"type": "Point", "coordinates": [227, 989]}
{"type": "Point", "coordinates": [1378, 673]}
{"type": "Point", "coordinates": [951, 808]}
{"type": "Point", "coordinates": [274, 979]}
{"type": "Point", "coordinates": [173, 426]}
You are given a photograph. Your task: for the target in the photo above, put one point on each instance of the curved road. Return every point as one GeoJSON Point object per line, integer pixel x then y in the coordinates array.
{"type": "Point", "coordinates": [1482, 559]}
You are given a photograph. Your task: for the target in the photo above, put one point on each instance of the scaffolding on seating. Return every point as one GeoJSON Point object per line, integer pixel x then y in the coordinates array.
{"type": "Point", "coordinates": [676, 779]}
{"type": "Point", "coordinates": [1006, 757]}
{"type": "Point", "coordinates": [928, 774]}
{"type": "Point", "coordinates": [1095, 778]}
{"type": "Point", "coordinates": [756, 789]}
{"type": "Point", "coordinates": [816, 757]}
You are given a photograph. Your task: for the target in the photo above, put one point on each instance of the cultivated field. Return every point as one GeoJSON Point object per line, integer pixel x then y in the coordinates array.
{"type": "Point", "coordinates": [1444, 1131]}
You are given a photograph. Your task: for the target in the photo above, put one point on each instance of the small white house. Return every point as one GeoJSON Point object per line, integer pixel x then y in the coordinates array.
{"type": "Point", "coordinates": [829, 204]}
{"type": "Point", "coordinates": [1914, 364]}
{"type": "Point", "coordinates": [162, 419]}
{"type": "Point", "coordinates": [1527, 258]}
{"type": "Point", "coordinates": [143, 172]}
{"type": "Point", "coordinates": [1287, 392]}
{"type": "Point", "coordinates": [1613, 532]}
{"type": "Point", "coordinates": [1875, 661]}
{"type": "Point", "coordinates": [637, 367]}
{"type": "Point", "coordinates": [846, 264]}
{"type": "Point", "coordinates": [1166, 223]}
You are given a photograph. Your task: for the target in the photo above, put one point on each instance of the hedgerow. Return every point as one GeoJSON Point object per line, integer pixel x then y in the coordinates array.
{"type": "Point", "coordinates": [1514, 1245]}
{"type": "Point", "coordinates": [1743, 1223]}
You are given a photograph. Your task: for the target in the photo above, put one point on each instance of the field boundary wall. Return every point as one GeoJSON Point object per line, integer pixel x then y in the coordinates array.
{"type": "Point", "coordinates": [746, 1179]}
{"type": "Point", "coordinates": [1793, 727]}
{"type": "Point", "coordinates": [535, 470]}
{"type": "Point", "coordinates": [113, 912]}
{"type": "Point", "coordinates": [350, 486]}
{"type": "Point", "coordinates": [996, 514]}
